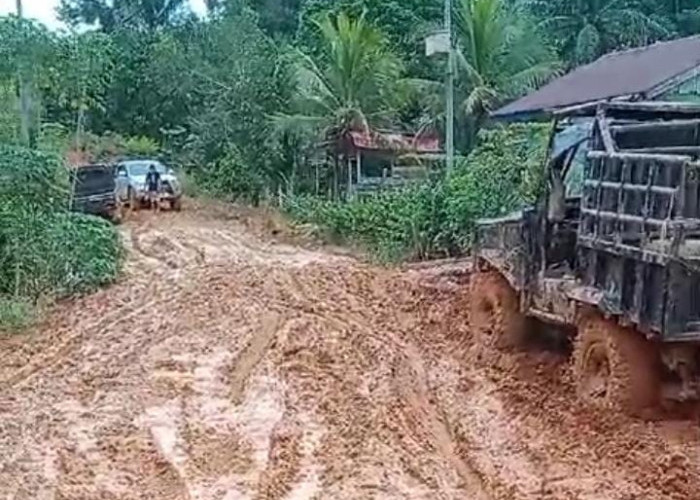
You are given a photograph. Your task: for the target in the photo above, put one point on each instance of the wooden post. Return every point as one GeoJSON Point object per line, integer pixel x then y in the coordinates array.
{"type": "Point", "coordinates": [349, 162]}
{"type": "Point", "coordinates": [359, 166]}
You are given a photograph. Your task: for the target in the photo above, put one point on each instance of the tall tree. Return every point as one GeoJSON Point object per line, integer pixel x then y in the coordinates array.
{"type": "Point", "coordinates": [680, 17]}
{"type": "Point", "coordinates": [349, 84]}
{"type": "Point", "coordinates": [25, 100]}
{"type": "Point", "coordinates": [405, 23]}
{"type": "Point", "coordinates": [25, 53]}
{"type": "Point", "coordinates": [587, 29]}
{"type": "Point", "coordinates": [77, 88]}
{"type": "Point", "coordinates": [501, 54]}
{"type": "Point", "coordinates": [111, 14]}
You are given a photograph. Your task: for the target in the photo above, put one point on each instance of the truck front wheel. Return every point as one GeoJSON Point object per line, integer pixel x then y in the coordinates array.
{"type": "Point", "coordinates": [495, 316]}
{"type": "Point", "coordinates": [615, 366]}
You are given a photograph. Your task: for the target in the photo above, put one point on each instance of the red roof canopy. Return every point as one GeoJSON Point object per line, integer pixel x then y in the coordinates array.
{"type": "Point", "coordinates": [401, 143]}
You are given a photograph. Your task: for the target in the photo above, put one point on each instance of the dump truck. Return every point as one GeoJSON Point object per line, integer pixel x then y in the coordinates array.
{"type": "Point", "coordinates": [610, 255]}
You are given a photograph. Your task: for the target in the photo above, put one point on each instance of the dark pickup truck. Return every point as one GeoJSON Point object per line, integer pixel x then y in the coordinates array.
{"type": "Point", "coordinates": [94, 190]}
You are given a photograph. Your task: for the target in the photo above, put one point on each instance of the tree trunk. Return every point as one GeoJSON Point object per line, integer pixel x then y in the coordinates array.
{"type": "Point", "coordinates": [349, 163]}
{"type": "Point", "coordinates": [336, 180]}
{"type": "Point", "coordinates": [317, 178]}
{"type": "Point", "coordinates": [25, 103]}
{"type": "Point", "coordinates": [79, 130]}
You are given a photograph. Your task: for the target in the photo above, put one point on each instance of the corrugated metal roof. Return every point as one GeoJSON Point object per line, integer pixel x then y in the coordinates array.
{"type": "Point", "coordinates": [620, 74]}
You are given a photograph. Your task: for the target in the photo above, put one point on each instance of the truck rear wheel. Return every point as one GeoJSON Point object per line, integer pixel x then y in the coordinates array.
{"type": "Point", "coordinates": [615, 367]}
{"type": "Point", "coordinates": [495, 315]}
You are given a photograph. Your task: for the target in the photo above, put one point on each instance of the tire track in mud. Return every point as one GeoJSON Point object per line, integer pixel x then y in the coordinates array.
{"type": "Point", "coordinates": [412, 383]}
{"type": "Point", "coordinates": [60, 352]}
{"type": "Point", "coordinates": [423, 420]}
{"type": "Point", "coordinates": [271, 372]}
{"type": "Point", "coordinates": [252, 354]}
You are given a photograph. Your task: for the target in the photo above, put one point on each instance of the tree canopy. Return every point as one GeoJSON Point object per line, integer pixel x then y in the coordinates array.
{"type": "Point", "coordinates": [261, 81]}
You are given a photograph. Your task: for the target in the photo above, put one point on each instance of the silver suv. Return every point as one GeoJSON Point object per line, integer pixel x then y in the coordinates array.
{"type": "Point", "coordinates": [131, 183]}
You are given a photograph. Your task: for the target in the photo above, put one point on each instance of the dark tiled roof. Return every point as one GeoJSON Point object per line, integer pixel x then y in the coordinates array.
{"type": "Point", "coordinates": [631, 72]}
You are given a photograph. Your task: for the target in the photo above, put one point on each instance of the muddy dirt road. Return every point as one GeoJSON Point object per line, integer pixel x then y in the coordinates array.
{"type": "Point", "coordinates": [227, 366]}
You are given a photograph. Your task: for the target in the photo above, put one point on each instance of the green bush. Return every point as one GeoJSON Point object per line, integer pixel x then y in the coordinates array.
{"type": "Point", "coordinates": [504, 173]}
{"type": "Point", "coordinates": [394, 225]}
{"type": "Point", "coordinates": [15, 314]}
{"type": "Point", "coordinates": [45, 250]}
{"type": "Point", "coordinates": [437, 219]}
{"type": "Point", "coordinates": [140, 146]}
{"type": "Point", "coordinates": [108, 146]}
{"type": "Point", "coordinates": [231, 178]}
{"type": "Point", "coordinates": [55, 253]}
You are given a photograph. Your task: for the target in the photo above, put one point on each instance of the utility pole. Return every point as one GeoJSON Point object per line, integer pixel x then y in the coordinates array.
{"type": "Point", "coordinates": [450, 88]}
{"type": "Point", "coordinates": [25, 105]}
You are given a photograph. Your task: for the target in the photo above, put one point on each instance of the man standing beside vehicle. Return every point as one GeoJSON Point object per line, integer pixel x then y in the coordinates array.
{"type": "Point", "coordinates": [153, 184]}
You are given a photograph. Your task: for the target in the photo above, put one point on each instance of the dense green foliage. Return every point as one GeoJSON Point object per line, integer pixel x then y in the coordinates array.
{"type": "Point", "coordinates": [46, 251]}
{"type": "Point", "coordinates": [503, 53]}
{"type": "Point", "coordinates": [255, 101]}
{"type": "Point", "coordinates": [437, 219]}
{"type": "Point", "coordinates": [202, 88]}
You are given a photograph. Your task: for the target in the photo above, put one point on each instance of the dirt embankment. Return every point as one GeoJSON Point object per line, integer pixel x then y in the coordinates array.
{"type": "Point", "coordinates": [225, 366]}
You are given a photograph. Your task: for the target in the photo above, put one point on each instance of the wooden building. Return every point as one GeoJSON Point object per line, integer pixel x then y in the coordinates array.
{"type": "Point", "coordinates": [381, 160]}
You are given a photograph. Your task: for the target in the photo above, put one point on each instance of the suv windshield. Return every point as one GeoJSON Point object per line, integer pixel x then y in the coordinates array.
{"type": "Point", "coordinates": [141, 167]}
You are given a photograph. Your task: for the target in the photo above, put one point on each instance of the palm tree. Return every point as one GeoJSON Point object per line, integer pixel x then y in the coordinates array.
{"type": "Point", "coordinates": [501, 54]}
{"type": "Point", "coordinates": [678, 17]}
{"type": "Point", "coordinates": [588, 29]}
{"type": "Point", "coordinates": [351, 83]}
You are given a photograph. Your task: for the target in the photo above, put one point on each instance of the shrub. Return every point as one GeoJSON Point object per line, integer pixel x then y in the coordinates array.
{"type": "Point", "coordinates": [140, 146]}
{"type": "Point", "coordinates": [230, 177]}
{"type": "Point", "coordinates": [501, 175]}
{"type": "Point", "coordinates": [15, 314]}
{"type": "Point", "coordinates": [45, 250]}
{"type": "Point", "coordinates": [504, 173]}
{"type": "Point", "coordinates": [394, 225]}
{"type": "Point", "coordinates": [55, 253]}
{"type": "Point", "coordinates": [108, 146]}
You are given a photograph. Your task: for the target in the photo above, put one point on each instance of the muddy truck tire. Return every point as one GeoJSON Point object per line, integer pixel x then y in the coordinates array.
{"type": "Point", "coordinates": [495, 315]}
{"type": "Point", "coordinates": [616, 367]}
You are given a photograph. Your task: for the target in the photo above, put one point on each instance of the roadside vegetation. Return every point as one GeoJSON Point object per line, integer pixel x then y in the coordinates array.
{"type": "Point", "coordinates": [252, 101]}
{"type": "Point", "coordinates": [436, 219]}
{"type": "Point", "coordinates": [46, 252]}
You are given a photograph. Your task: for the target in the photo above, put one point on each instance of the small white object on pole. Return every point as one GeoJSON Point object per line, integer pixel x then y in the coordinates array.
{"type": "Point", "coordinates": [437, 43]}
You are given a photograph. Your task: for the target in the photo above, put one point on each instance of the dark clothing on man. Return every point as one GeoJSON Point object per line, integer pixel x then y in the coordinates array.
{"type": "Point", "coordinates": [153, 181]}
